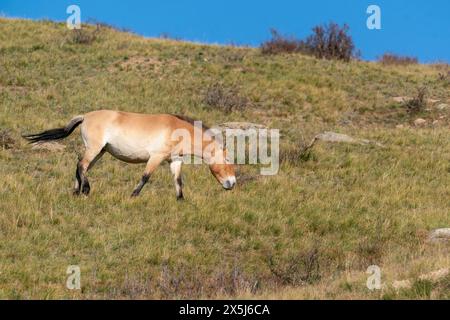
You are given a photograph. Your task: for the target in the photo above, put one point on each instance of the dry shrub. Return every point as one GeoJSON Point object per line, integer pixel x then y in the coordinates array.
{"type": "Point", "coordinates": [302, 268]}
{"type": "Point", "coordinates": [393, 59]}
{"type": "Point", "coordinates": [297, 153]}
{"type": "Point", "coordinates": [226, 99]}
{"type": "Point", "coordinates": [6, 139]}
{"type": "Point", "coordinates": [280, 44]}
{"type": "Point", "coordinates": [84, 35]}
{"type": "Point", "coordinates": [329, 41]}
{"type": "Point", "coordinates": [419, 102]}
{"type": "Point", "coordinates": [184, 282]}
{"type": "Point", "coordinates": [369, 252]}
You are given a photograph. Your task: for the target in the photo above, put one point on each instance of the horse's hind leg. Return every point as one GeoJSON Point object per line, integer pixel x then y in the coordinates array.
{"type": "Point", "coordinates": [175, 168]}
{"type": "Point", "coordinates": [89, 159]}
{"type": "Point", "coordinates": [152, 164]}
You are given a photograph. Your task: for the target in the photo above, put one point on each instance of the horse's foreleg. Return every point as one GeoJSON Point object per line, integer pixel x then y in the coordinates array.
{"type": "Point", "coordinates": [175, 167]}
{"type": "Point", "coordinates": [152, 164]}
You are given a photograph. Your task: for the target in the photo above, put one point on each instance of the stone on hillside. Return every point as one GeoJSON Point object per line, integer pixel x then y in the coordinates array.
{"type": "Point", "coordinates": [442, 106]}
{"type": "Point", "coordinates": [439, 235]}
{"type": "Point", "coordinates": [339, 137]}
{"type": "Point", "coordinates": [420, 122]}
{"type": "Point", "coordinates": [434, 276]}
{"type": "Point", "coordinates": [241, 126]}
{"type": "Point", "coordinates": [433, 101]}
{"type": "Point", "coordinates": [402, 284]}
{"type": "Point", "coordinates": [401, 99]}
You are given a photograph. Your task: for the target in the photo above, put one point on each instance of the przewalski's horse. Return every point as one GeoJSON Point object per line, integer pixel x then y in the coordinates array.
{"type": "Point", "coordinates": [139, 138]}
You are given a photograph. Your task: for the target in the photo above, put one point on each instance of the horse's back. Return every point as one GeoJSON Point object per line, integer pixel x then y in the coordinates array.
{"type": "Point", "coordinates": [132, 137]}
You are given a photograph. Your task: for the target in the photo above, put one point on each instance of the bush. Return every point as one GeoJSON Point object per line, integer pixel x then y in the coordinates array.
{"type": "Point", "coordinates": [224, 98]}
{"type": "Point", "coordinates": [330, 42]}
{"type": "Point", "coordinates": [84, 36]}
{"type": "Point", "coordinates": [392, 59]}
{"type": "Point", "coordinates": [327, 42]}
{"type": "Point", "coordinates": [419, 102]}
{"type": "Point", "coordinates": [297, 153]}
{"type": "Point", "coordinates": [280, 44]}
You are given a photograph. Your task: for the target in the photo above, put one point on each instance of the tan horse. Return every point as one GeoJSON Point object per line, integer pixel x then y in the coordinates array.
{"type": "Point", "coordinates": [138, 138]}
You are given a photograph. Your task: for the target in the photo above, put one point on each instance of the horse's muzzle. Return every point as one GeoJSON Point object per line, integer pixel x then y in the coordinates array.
{"type": "Point", "coordinates": [229, 183]}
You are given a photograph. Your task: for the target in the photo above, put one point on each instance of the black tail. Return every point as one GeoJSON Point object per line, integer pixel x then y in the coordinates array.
{"type": "Point", "coordinates": [55, 134]}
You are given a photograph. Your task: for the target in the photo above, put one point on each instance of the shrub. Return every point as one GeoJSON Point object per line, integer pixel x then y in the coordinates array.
{"type": "Point", "coordinates": [393, 59]}
{"type": "Point", "coordinates": [84, 35]}
{"type": "Point", "coordinates": [297, 153]}
{"type": "Point", "coordinates": [327, 42]}
{"type": "Point", "coordinates": [280, 44]}
{"type": "Point", "coordinates": [224, 98]}
{"type": "Point", "coordinates": [330, 42]}
{"type": "Point", "coordinates": [302, 268]}
{"type": "Point", "coordinates": [419, 102]}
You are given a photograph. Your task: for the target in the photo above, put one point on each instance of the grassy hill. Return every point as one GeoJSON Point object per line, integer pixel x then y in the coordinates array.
{"type": "Point", "coordinates": [309, 232]}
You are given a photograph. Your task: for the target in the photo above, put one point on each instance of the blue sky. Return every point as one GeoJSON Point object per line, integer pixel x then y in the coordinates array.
{"type": "Point", "coordinates": [419, 28]}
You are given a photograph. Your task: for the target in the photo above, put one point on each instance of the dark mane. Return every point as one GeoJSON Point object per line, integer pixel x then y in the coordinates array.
{"type": "Point", "coordinates": [190, 120]}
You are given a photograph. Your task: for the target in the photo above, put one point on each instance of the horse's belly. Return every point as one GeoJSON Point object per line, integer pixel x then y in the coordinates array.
{"type": "Point", "coordinates": [128, 153]}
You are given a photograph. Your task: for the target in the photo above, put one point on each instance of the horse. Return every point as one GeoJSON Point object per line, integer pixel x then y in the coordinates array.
{"type": "Point", "coordinates": [142, 138]}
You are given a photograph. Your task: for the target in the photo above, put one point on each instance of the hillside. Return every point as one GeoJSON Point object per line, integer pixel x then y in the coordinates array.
{"type": "Point", "coordinates": [309, 232]}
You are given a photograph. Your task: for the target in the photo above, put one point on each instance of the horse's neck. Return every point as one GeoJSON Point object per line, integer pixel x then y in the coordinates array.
{"type": "Point", "coordinates": [199, 141]}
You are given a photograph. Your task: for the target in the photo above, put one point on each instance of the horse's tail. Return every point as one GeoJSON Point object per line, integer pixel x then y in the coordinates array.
{"type": "Point", "coordinates": [55, 134]}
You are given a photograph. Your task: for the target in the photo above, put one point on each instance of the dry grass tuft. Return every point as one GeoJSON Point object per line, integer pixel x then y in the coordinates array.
{"type": "Point", "coordinates": [224, 98]}
{"type": "Point", "coordinates": [389, 59]}
{"type": "Point", "coordinates": [419, 102]}
{"type": "Point", "coordinates": [84, 35]}
{"type": "Point", "coordinates": [6, 139]}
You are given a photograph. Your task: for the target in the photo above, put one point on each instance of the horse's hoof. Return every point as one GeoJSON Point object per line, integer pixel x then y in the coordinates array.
{"type": "Point", "coordinates": [86, 190]}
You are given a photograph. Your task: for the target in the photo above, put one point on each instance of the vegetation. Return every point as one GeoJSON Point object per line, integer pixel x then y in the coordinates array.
{"type": "Point", "coordinates": [310, 231]}
{"type": "Point", "coordinates": [393, 59]}
{"type": "Point", "coordinates": [328, 41]}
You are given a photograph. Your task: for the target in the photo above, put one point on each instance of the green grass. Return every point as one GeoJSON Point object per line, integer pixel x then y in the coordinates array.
{"type": "Point", "coordinates": [309, 232]}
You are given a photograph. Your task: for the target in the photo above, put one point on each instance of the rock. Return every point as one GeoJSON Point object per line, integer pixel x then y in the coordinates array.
{"type": "Point", "coordinates": [439, 235]}
{"type": "Point", "coordinates": [339, 137]}
{"type": "Point", "coordinates": [241, 125]}
{"type": "Point", "coordinates": [401, 99]}
{"type": "Point", "coordinates": [400, 126]}
{"type": "Point", "coordinates": [442, 106]}
{"type": "Point", "coordinates": [336, 137]}
{"type": "Point", "coordinates": [420, 122]}
{"type": "Point", "coordinates": [434, 276]}
{"type": "Point", "coordinates": [402, 284]}
{"type": "Point", "coordinates": [433, 101]}
{"type": "Point", "coordinates": [48, 146]}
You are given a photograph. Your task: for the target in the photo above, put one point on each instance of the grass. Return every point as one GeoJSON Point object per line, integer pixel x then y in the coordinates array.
{"type": "Point", "coordinates": [309, 232]}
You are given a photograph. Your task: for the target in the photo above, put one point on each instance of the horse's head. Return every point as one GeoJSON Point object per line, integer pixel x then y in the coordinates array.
{"type": "Point", "coordinates": [223, 171]}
